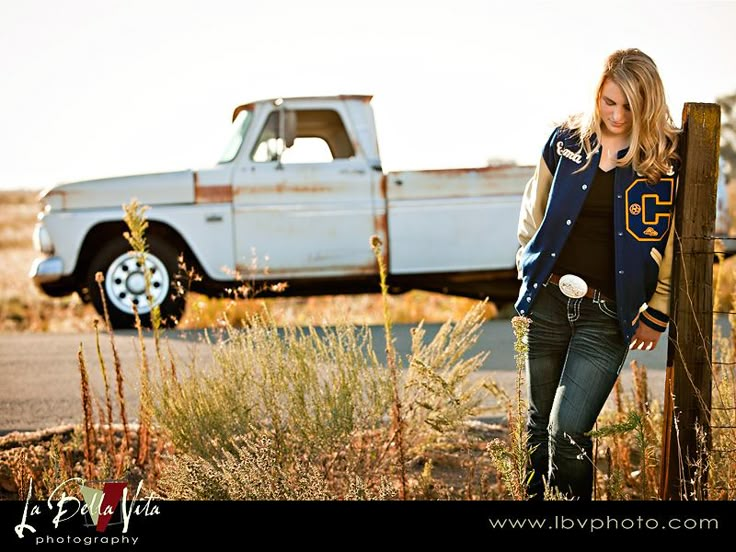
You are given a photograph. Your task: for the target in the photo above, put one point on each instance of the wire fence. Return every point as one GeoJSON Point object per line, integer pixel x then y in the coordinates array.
{"type": "Point", "coordinates": [724, 405]}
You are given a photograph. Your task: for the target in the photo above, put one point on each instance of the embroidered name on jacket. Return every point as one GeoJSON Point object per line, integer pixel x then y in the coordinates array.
{"type": "Point", "coordinates": [571, 155]}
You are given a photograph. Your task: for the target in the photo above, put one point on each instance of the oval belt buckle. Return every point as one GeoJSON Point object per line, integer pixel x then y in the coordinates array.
{"type": "Point", "coordinates": [573, 286]}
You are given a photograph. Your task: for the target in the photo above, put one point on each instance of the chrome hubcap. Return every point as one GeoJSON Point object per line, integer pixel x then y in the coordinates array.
{"type": "Point", "coordinates": [125, 282]}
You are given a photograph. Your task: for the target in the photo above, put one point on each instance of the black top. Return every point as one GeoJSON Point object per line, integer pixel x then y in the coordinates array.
{"type": "Point", "coordinates": [589, 250]}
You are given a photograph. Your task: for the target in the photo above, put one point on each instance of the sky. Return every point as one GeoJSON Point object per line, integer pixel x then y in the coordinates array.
{"type": "Point", "coordinates": [96, 88]}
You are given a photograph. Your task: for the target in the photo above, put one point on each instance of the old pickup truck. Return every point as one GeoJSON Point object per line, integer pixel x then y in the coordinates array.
{"type": "Point", "coordinates": [300, 188]}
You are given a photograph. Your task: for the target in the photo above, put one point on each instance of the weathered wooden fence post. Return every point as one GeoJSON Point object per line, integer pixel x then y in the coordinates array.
{"type": "Point", "coordinates": [689, 355]}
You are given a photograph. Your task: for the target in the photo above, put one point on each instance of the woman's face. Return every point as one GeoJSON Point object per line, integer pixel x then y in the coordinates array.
{"type": "Point", "coordinates": [616, 116]}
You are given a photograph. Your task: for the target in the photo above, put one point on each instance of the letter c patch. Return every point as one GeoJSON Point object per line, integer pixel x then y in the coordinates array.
{"type": "Point", "coordinates": [649, 208]}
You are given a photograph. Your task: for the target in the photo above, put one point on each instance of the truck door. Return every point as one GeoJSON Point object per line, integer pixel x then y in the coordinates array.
{"type": "Point", "coordinates": [304, 209]}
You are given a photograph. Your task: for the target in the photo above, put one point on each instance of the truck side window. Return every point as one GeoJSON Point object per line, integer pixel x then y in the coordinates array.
{"type": "Point", "coordinates": [320, 138]}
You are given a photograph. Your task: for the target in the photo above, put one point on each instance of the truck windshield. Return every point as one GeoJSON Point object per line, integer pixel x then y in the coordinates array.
{"type": "Point", "coordinates": [239, 128]}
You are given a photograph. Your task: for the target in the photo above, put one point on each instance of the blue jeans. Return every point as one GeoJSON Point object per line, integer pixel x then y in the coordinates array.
{"type": "Point", "coordinates": [576, 351]}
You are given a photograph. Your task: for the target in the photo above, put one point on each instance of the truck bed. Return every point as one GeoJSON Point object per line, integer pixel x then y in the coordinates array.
{"type": "Point", "coordinates": [459, 220]}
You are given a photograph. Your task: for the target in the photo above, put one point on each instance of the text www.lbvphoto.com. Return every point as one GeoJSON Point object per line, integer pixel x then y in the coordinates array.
{"type": "Point", "coordinates": [99, 509]}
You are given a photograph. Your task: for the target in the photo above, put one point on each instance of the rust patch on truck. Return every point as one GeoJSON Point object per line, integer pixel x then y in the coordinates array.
{"type": "Point", "coordinates": [218, 193]}
{"type": "Point", "coordinates": [305, 189]}
{"type": "Point", "coordinates": [489, 169]}
{"type": "Point", "coordinates": [214, 194]}
{"type": "Point", "coordinates": [380, 222]}
{"type": "Point", "coordinates": [298, 272]}
{"type": "Point", "coordinates": [282, 188]}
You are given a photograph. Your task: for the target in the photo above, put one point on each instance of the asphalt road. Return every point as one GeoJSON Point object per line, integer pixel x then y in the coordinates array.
{"type": "Point", "coordinates": [39, 373]}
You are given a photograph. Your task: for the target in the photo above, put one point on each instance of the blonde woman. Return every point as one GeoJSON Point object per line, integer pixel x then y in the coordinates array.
{"type": "Point", "coordinates": [595, 230]}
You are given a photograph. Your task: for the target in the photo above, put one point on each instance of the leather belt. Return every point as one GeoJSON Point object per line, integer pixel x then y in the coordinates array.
{"type": "Point", "coordinates": [590, 294]}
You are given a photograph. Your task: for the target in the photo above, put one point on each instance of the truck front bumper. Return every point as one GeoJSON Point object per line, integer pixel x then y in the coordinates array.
{"type": "Point", "coordinates": [46, 269]}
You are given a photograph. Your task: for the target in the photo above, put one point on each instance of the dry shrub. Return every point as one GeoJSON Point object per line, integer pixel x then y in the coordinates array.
{"type": "Point", "coordinates": [322, 400]}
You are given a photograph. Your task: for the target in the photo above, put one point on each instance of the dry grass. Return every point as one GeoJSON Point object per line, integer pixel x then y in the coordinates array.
{"type": "Point", "coordinates": [724, 281]}
{"type": "Point", "coordinates": [411, 307]}
{"type": "Point", "coordinates": [286, 413]}
{"type": "Point", "coordinates": [18, 213]}
{"type": "Point", "coordinates": [22, 306]}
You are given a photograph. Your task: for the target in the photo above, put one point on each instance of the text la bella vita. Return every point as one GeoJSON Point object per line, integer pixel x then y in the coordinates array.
{"type": "Point", "coordinates": [64, 514]}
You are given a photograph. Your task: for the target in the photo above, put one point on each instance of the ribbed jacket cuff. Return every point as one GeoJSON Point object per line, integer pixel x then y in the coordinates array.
{"type": "Point", "coordinates": [654, 319]}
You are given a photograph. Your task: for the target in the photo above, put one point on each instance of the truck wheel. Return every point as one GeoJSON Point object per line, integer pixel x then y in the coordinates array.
{"type": "Point", "coordinates": [53, 290]}
{"type": "Point", "coordinates": [125, 283]}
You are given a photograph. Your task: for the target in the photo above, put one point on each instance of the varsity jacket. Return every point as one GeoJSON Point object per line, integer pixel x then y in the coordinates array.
{"type": "Point", "coordinates": [643, 221]}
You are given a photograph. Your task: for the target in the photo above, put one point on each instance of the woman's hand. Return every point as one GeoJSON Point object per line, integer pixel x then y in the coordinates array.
{"type": "Point", "coordinates": [645, 338]}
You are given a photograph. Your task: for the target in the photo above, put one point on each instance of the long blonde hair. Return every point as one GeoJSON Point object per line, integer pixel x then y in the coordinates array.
{"type": "Point", "coordinates": [653, 146]}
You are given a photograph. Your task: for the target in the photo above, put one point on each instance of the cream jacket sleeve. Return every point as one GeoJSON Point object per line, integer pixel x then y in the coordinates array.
{"type": "Point", "coordinates": [661, 298]}
{"type": "Point", "coordinates": [657, 312]}
{"type": "Point", "coordinates": [533, 207]}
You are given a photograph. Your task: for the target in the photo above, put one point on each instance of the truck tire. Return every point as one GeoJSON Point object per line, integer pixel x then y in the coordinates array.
{"type": "Point", "coordinates": [124, 283]}
{"type": "Point", "coordinates": [52, 289]}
